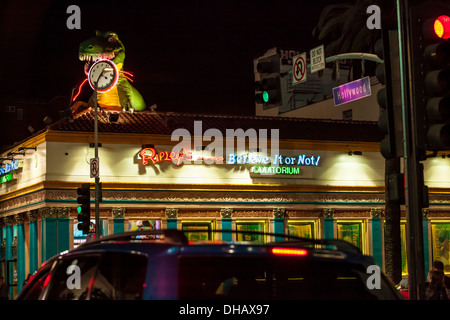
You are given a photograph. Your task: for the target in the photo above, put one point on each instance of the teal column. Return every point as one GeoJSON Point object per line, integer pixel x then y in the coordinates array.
{"type": "Point", "coordinates": [33, 249]}
{"type": "Point", "coordinates": [49, 237]}
{"type": "Point", "coordinates": [9, 252]}
{"type": "Point", "coordinates": [118, 225]}
{"type": "Point", "coordinates": [172, 214]}
{"type": "Point", "coordinates": [20, 251]}
{"type": "Point", "coordinates": [63, 230]}
{"type": "Point", "coordinates": [171, 223]}
{"type": "Point", "coordinates": [328, 223]}
{"type": "Point", "coordinates": [2, 248]}
{"type": "Point", "coordinates": [278, 223]}
{"type": "Point", "coordinates": [118, 220]}
{"type": "Point", "coordinates": [426, 252]}
{"type": "Point", "coordinates": [377, 251]}
{"type": "Point", "coordinates": [227, 224]}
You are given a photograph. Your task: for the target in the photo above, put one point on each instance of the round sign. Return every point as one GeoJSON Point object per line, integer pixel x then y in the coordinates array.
{"type": "Point", "coordinates": [299, 68]}
{"type": "Point", "coordinates": [94, 168]}
{"type": "Point", "coordinates": [103, 75]}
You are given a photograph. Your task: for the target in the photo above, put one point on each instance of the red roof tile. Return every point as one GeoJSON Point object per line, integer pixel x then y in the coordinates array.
{"type": "Point", "coordinates": [150, 122]}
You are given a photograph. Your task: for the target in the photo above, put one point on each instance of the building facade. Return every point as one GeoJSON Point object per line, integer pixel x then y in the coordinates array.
{"type": "Point", "coordinates": [306, 177]}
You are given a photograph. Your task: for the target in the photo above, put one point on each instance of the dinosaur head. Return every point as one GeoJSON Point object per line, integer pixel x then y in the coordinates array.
{"type": "Point", "coordinates": [105, 45]}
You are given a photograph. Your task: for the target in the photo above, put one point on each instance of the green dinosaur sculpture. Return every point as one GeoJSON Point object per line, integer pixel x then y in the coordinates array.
{"type": "Point", "coordinates": [106, 45]}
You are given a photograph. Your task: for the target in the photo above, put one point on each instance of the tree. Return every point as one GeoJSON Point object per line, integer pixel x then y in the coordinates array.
{"type": "Point", "coordinates": [342, 28]}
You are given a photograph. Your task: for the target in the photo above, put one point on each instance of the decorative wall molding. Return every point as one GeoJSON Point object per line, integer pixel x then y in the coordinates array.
{"type": "Point", "coordinates": [279, 213]}
{"type": "Point", "coordinates": [328, 213]}
{"type": "Point", "coordinates": [376, 213]}
{"type": "Point", "coordinates": [20, 218]}
{"type": "Point", "coordinates": [118, 212]}
{"type": "Point", "coordinates": [226, 213]}
{"type": "Point", "coordinates": [171, 213]}
{"type": "Point", "coordinates": [32, 215]}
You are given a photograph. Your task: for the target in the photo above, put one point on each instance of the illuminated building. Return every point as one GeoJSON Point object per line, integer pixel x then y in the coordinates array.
{"type": "Point", "coordinates": [332, 184]}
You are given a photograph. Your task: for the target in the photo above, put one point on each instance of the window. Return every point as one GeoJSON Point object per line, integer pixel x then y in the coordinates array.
{"type": "Point", "coordinates": [440, 237]}
{"type": "Point", "coordinates": [302, 229]}
{"type": "Point", "coordinates": [36, 285]}
{"type": "Point", "coordinates": [252, 278]}
{"type": "Point", "coordinates": [253, 227]}
{"type": "Point", "coordinates": [347, 114]}
{"type": "Point", "coordinates": [120, 276]}
{"type": "Point", "coordinates": [203, 230]}
{"type": "Point", "coordinates": [60, 290]}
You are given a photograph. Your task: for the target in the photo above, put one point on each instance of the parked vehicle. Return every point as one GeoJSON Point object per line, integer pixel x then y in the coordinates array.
{"type": "Point", "coordinates": [164, 265]}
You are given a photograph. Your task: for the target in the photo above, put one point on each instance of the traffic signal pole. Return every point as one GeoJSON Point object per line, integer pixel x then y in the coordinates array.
{"type": "Point", "coordinates": [413, 168]}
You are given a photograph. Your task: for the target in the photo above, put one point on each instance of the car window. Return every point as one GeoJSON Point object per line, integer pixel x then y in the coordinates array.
{"type": "Point", "coordinates": [35, 287]}
{"type": "Point", "coordinates": [120, 276]}
{"type": "Point", "coordinates": [72, 277]}
{"type": "Point", "coordinates": [267, 278]}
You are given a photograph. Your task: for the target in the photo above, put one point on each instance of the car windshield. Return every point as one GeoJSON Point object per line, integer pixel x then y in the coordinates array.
{"type": "Point", "coordinates": [269, 278]}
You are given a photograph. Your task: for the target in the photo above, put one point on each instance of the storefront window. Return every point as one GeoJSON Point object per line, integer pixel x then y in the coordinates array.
{"type": "Point", "coordinates": [403, 248]}
{"type": "Point", "coordinates": [251, 226]}
{"type": "Point", "coordinates": [203, 230]}
{"type": "Point", "coordinates": [135, 225]}
{"type": "Point", "coordinates": [79, 237]}
{"type": "Point", "coordinates": [302, 229]}
{"type": "Point", "coordinates": [351, 232]}
{"type": "Point", "coordinates": [440, 237]}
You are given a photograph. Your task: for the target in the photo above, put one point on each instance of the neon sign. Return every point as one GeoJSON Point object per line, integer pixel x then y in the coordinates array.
{"type": "Point", "coordinates": [275, 170]}
{"type": "Point", "coordinates": [149, 155]}
{"type": "Point", "coordinates": [8, 167]}
{"type": "Point", "coordinates": [6, 178]}
{"type": "Point", "coordinates": [278, 159]}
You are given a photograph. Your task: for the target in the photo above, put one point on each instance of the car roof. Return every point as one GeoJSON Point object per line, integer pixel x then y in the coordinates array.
{"type": "Point", "coordinates": [173, 241]}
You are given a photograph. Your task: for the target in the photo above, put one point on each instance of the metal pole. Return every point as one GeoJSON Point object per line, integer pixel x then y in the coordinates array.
{"type": "Point", "coordinates": [97, 179]}
{"type": "Point", "coordinates": [411, 162]}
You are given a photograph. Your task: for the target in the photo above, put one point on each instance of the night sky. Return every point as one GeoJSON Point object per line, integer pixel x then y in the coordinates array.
{"type": "Point", "coordinates": [189, 56]}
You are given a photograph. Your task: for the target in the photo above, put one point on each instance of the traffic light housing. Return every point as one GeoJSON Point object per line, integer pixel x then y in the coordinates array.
{"type": "Point", "coordinates": [429, 38]}
{"type": "Point", "coordinates": [388, 97]}
{"type": "Point", "coordinates": [84, 207]}
{"type": "Point", "coordinates": [268, 87]}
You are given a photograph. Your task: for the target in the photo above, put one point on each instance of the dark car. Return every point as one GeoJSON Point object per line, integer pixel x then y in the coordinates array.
{"type": "Point", "coordinates": [164, 265]}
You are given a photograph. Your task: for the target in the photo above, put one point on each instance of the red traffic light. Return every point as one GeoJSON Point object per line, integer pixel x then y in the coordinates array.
{"type": "Point", "coordinates": [442, 27]}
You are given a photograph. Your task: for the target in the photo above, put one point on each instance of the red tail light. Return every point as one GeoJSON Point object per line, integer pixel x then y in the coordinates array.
{"type": "Point", "coordinates": [289, 251]}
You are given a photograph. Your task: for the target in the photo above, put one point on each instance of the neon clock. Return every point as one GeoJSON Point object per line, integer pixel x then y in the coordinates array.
{"type": "Point", "coordinates": [105, 74]}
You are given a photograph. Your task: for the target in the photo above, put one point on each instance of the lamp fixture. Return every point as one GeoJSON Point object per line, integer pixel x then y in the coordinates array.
{"type": "Point", "coordinates": [22, 149]}
{"type": "Point", "coordinates": [356, 153]}
{"type": "Point", "coordinates": [12, 154]}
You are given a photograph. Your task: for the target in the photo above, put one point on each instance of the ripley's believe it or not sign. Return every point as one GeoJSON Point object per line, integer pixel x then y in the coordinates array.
{"type": "Point", "coordinates": [7, 169]}
{"type": "Point", "coordinates": [277, 164]}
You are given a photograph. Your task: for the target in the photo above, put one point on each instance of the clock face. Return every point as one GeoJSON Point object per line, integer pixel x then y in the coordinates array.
{"type": "Point", "coordinates": [104, 74]}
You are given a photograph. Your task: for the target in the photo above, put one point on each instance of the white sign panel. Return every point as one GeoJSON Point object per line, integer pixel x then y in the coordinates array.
{"type": "Point", "coordinates": [317, 57]}
{"type": "Point", "coordinates": [299, 68]}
